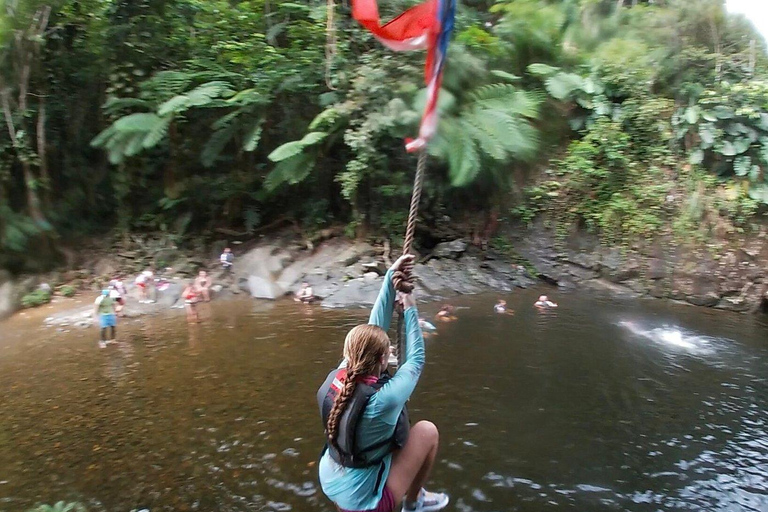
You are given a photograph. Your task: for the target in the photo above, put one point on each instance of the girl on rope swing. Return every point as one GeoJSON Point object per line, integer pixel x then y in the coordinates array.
{"type": "Point", "coordinates": [372, 462]}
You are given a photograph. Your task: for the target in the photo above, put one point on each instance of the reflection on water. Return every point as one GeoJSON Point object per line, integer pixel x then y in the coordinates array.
{"type": "Point", "coordinates": [577, 408]}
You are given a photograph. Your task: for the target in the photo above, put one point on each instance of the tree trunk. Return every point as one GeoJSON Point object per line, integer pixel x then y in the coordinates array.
{"type": "Point", "coordinates": [717, 48]}
{"type": "Point", "coordinates": [45, 178]}
{"type": "Point", "coordinates": [33, 199]}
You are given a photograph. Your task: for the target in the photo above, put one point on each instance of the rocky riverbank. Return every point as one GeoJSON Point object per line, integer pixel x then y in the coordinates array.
{"type": "Point", "coordinates": [731, 277]}
{"type": "Point", "coordinates": [345, 273]}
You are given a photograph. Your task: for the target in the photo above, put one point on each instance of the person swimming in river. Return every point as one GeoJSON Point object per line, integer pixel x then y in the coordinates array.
{"type": "Point", "coordinates": [544, 303]}
{"type": "Point", "coordinates": [190, 302]}
{"type": "Point", "coordinates": [446, 314]}
{"type": "Point", "coordinates": [426, 325]}
{"type": "Point", "coordinates": [373, 461]}
{"type": "Point", "coordinates": [501, 308]}
{"type": "Point", "coordinates": [305, 294]}
{"type": "Point", "coordinates": [104, 313]}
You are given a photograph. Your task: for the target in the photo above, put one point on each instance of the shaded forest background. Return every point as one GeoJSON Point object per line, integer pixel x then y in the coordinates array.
{"type": "Point", "coordinates": [203, 119]}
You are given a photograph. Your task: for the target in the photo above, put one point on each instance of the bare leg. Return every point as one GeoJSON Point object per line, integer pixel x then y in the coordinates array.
{"type": "Point", "coordinates": [412, 464]}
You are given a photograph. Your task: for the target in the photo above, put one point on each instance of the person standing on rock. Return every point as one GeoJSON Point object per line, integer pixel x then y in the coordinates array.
{"type": "Point", "coordinates": [104, 313]}
{"type": "Point", "coordinates": [227, 259]}
{"type": "Point", "coordinates": [373, 460]}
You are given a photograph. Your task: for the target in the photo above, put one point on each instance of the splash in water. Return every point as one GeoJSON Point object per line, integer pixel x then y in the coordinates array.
{"type": "Point", "coordinates": [671, 337]}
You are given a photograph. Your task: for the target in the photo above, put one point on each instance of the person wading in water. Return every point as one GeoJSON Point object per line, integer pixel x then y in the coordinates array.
{"type": "Point", "coordinates": [104, 312]}
{"type": "Point", "coordinates": [372, 462]}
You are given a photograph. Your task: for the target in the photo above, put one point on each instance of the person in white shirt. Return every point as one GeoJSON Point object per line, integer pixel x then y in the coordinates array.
{"type": "Point", "coordinates": [544, 303]}
{"type": "Point", "coordinates": [227, 258]}
{"type": "Point", "coordinates": [142, 282]}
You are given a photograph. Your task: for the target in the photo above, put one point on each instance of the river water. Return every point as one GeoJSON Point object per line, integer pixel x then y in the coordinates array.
{"type": "Point", "coordinates": [600, 405]}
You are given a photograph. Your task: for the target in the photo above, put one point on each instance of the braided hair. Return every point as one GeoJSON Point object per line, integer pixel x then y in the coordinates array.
{"type": "Point", "coordinates": [364, 348]}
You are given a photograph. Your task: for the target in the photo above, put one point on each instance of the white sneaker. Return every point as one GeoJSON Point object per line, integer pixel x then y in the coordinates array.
{"type": "Point", "coordinates": [428, 502]}
{"type": "Point", "coordinates": [102, 344]}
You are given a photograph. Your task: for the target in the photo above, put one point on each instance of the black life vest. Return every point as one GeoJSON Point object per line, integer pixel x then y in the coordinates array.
{"type": "Point", "coordinates": [347, 453]}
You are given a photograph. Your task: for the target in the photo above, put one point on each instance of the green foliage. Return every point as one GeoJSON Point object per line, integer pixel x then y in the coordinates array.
{"type": "Point", "coordinates": [604, 189]}
{"type": "Point", "coordinates": [68, 291]}
{"type": "Point", "coordinates": [726, 131]}
{"type": "Point", "coordinates": [35, 299]}
{"type": "Point", "coordinates": [536, 198]}
{"type": "Point", "coordinates": [202, 117]}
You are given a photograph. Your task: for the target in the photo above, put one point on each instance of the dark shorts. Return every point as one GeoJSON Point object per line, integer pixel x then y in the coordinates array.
{"type": "Point", "coordinates": [386, 503]}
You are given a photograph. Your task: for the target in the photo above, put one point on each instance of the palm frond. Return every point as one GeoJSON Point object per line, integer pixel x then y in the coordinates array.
{"type": "Point", "coordinates": [290, 170]}
{"type": "Point", "coordinates": [253, 136]}
{"type": "Point", "coordinates": [216, 144]}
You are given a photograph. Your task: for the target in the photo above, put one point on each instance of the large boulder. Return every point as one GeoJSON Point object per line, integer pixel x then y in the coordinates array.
{"type": "Point", "coordinates": [8, 297]}
{"type": "Point", "coordinates": [357, 292]}
{"type": "Point", "coordinates": [450, 250]}
{"type": "Point", "coordinates": [263, 288]}
{"type": "Point", "coordinates": [170, 296]}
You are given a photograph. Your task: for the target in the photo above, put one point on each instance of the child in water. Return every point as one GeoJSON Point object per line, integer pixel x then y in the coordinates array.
{"type": "Point", "coordinates": [446, 314]}
{"type": "Point", "coordinates": [190, 302]}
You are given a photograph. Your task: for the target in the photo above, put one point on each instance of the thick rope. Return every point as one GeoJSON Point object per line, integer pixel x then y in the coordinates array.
{"type": "Point", "coordinates": [402, 278]}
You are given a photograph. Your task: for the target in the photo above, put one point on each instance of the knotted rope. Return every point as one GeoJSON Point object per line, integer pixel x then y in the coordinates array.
{"type": "Point", "coordinates": [402, 278]}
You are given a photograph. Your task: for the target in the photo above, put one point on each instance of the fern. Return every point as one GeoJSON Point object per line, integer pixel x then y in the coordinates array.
{"type": "Point", "coordinates": [157, 133]}
{"type": "Point", "coordinates": [293, 148]}
{"type": "Point", "coordinates": [175, 105]}
{"type": "Point", "coordinates": [329, 119]}
{"type": "Point", "coordinates": [101, 139]}
{"type": "Point", "coordinates": [114, 106]}
{"type": "Point", "coordinates": [253, 136]}
{"type": "Point", "coordinates": [216, 144]}
{"type": "Point", "coordinates": [490, 143]}
{"type": "Point", "coordinates": [542, 70]}
{"type": "Point", "coordinates": [290, 170]}
{"type": "Point", "coordinates": [463, 160]}
{"type": "Point", "coordinates": [141, 122]}
{"type": "Point", "coordinates": [562, 85]}
{"type": "Point", "coordinates": [134, 145]}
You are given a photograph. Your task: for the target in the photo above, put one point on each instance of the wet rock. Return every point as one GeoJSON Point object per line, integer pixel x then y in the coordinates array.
{"type": "Point", "coordinates": [375, 266]}
{"type": "Point", "coordinates": [170, 296]}
{"type": "Point", "coordinates": [709, 299]}
{"type": "Point", "coordinates": [589, 261]}
{"type": "Point", "coordinates": [8, 302]}
{"type": "Point", "coordinates": [628, 272]}
{"type": "Point", "coordinates": [579, 273]}
{"type": "Point", "coordinates": [737, 304]}
{"type": "Point", "coordinates": [450, 250]}
{"type": "Point", "coordinates": [356, 292]}
{"type": "Point", "coordinates": [262, 288]}
{"type": "Point", "coordinates": [611, 259]}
